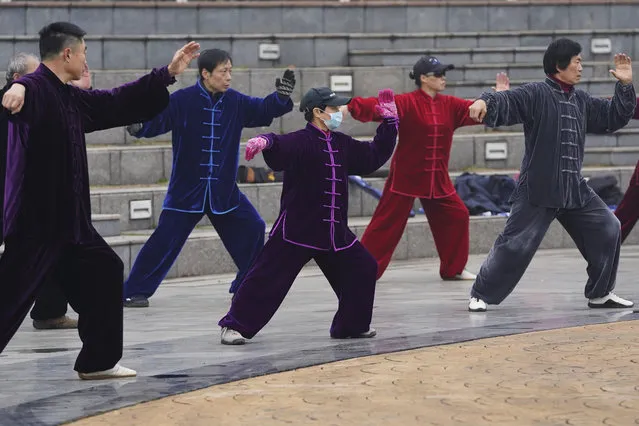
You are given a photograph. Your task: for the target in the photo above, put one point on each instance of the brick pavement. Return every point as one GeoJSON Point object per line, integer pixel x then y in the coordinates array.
{"type": "Point", "coordinates": [578, 376]}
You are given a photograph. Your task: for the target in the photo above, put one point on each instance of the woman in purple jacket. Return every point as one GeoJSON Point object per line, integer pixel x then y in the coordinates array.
{"type": "Point", "coordinates": [313, 220]}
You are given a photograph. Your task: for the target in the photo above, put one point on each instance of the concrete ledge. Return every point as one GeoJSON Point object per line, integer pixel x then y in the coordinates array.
{"type": "Point", "coordinates": [317, 17]}
{"type": "Point", "coordinates": [107, 224]}
{"type": "Point", "coordinates": [307, 48]}
{"type": "Point", "coordinates": [266, 197]}
{"type": "Point", "coordinates": [151, 164]}
{"type": "Point", "coordinates": [204, 254]}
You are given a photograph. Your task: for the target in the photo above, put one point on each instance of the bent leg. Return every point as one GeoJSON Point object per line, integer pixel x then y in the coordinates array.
{"type": "Point", "coordinates": [265, 286]}
{"type": "Point", "coordinates": [628, 209]}
{"type": "Point", "coordinates": [597, 233]}
{"type": "Point", "coordinates": [51, 302]}
{"type": "Point", "coordinates": [24, 268]}
{"type": "Point", "coordinates": [449, 222]}
{"type": "Point", "coordinates": [513, 251]}
{"type": "Point", "coordinates": [94, 287]}
{"type": "Point", "coordinates": [242, 233]}
{"type": "Point", "coordinates": [352, 274]}
{"type": "Point", "coordinates": [386, 227]}
{"type": "Point", "coordinates": [159, 252]}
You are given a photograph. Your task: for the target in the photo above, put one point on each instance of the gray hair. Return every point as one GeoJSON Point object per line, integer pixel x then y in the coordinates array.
{"type": "Point", "coordinates": [18, 65]}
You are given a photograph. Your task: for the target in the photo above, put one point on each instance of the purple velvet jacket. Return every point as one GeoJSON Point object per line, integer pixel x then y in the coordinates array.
{"type": "Point", "coordinates": [47, 182]}
{"type": "Point", "coordinates": [316, 165]}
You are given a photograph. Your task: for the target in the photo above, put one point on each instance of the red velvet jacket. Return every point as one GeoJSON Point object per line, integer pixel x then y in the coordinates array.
{"type": "Point", "coordinates": [419, 167]}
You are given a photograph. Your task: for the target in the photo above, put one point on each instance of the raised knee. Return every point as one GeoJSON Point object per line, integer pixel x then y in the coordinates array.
{"type": "Point", "coordinates": [612, 228]}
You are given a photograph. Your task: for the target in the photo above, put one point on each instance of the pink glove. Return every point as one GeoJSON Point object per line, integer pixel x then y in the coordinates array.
{"type": "Point", "coordinates": [255, 145]}
{"type": "Point", "coordinates": [386, 107]}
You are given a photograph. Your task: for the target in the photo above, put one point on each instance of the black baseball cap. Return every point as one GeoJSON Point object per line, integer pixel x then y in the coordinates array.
{"type": "Point", "coordinates": [428, 64]}
{"type": "Point", "coordinates": [321, 96]}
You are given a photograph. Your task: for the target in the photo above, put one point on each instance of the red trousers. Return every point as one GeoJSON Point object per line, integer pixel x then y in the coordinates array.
{"type": "Point", "coordinates": [628, 210]}
{"type": "Point", "coordinates": [448, 219]}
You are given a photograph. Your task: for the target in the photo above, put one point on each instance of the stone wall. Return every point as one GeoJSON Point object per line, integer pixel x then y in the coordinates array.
{"type": "Point", "coordinates": [127, 18]}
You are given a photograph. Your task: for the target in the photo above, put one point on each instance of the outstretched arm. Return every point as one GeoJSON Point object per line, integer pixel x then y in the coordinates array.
{"type": "Point", "coordinates": [259, 112]}
{"type": "Point", "coordinates": [280, 151]}
{"type": "Point", "coordinates": [504, 108]}
{"type": "Point", "coordinates": [609, 115]}
{"type": "Point", "coordinates": [158, 125]}
{"type": "Point", "coordinates": [20, 101]}
{"type": "Point", "coordinates": [366, 157]}
{"type": "Point", "coordinates": [362, 109]}
{"type": "Point", "coordinates": [137, 101]}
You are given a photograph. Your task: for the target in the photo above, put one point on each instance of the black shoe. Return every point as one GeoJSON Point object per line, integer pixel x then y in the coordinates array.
{"type": "Point", "coordinates": [136, 302]}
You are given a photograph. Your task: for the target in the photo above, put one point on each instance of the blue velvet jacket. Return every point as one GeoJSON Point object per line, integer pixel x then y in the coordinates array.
{"type": "Point", "coordinates": [316, 165]}
{"type": "Point", "coordinates": [206, 131]}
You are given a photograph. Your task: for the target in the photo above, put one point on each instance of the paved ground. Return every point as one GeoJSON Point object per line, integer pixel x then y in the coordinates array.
{"type": "Point", "coordinates": [175, 346]}
{"type": "Point", "coordinates": [577, 376]}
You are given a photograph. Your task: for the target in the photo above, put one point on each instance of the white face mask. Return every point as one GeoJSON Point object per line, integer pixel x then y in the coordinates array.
{"type": "Point", "coordinates": [335, 120]}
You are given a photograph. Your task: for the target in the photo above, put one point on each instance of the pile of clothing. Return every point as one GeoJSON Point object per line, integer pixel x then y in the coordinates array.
{"type": "Point", "coordinates": [485, 194]}
{"type": "Point", "coordinates": [489, 194]}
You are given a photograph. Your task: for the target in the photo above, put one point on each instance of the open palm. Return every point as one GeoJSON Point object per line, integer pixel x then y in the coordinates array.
{"type": "Point", "coordinates": [502, 82]}
{"type": "Point", "coordinates": [623, 68]}
{"type": "Point", "coordinates": [183, 58]}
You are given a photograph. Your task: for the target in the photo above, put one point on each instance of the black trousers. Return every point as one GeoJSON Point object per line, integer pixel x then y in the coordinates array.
{"type": "Point", "coordinates": [92, 279]}
{"type": "Point", "coordinates": [51, 301]}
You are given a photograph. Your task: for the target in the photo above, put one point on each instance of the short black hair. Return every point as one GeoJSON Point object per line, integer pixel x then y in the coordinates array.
{"type": "Point", "coordinates": [559, 54]}
{"type": "Point", "coordinates": [308, 114]}
{"type": "Point", "coordinates": [56, 37]}
{"type": "Point", "coordinates": [209, 59]}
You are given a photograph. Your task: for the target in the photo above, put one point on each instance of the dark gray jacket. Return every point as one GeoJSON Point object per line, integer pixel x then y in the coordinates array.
{"type": "Point", "coordinates": [555, 127]}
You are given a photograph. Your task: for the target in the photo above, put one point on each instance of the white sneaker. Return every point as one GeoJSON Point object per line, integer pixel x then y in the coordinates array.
{"type": "Point", "coordinates": [368, 334]}
{"type": "Point", "coordinates": [116, 372]}
{"type": "Point", "coordinates": [611, 300]}
{"type": "Point", "coordinates": [477, 305]}
{"type": "Point", "coordinates": [465, 275]}
{"type": "Point", "coordinates": [232, 337]}
{"type": "Point", "coordinates": [365, 335]}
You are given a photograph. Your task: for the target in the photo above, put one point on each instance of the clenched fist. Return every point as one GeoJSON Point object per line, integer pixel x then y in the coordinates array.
{"type": "Point", "coordinates": [13, 99]}
{"type": "Point", "coordinates": [477, 111]}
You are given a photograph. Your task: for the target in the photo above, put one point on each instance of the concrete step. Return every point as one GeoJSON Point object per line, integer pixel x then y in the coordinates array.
{"type": "Point", "coordinates": [204, 253]}
{"type": "Point", "coordinates": [453, 55]}
{"type": "Point", "coordinates": [107, 224]}
{"type": "Point", "coordinates": [310, 49]}
{"type": "Point", "coordinates": [150, 164]}
{"type": "Point", "coordinates": [266, 197]}
{"type": "Point", "coordinates": [521, 71]}
{"type": "Point", "coordinates": [318, 17]}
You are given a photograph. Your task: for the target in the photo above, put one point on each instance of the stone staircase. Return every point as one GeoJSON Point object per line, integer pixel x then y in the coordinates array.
{"type": "Point", "coordinates": [124, 174]}
{"type": "Point", "coordinates": [129, 177]}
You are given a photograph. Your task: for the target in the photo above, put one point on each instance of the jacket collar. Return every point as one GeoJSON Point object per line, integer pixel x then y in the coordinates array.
{"type": "Point", "coordinates": [558, 85]}
{"type": "Point", "coordinates": [317, 131]}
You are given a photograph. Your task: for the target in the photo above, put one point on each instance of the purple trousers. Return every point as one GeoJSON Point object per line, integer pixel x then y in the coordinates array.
{"type": "Point", "coordinates": [91, 274]}
{"type": "Point", "coordinates": [628, 209]}
{"type": "Point", "coordinates": [350, 272]}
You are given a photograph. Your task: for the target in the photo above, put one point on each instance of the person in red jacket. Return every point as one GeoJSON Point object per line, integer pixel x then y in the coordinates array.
{"type": "Point", "coordinates": [628, 210]}
{"type": "Point", "coordinates": [419, 169]}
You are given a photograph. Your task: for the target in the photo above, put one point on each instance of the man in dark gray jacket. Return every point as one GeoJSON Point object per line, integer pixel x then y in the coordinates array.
{"type": "Point", "coordinates": [556, 118]}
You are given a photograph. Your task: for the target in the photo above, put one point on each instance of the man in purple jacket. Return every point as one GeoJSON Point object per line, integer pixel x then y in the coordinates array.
{"type": "Point", "coordinates": [313, 220]}
{"type": "Point", "coordinates": [47, 214]}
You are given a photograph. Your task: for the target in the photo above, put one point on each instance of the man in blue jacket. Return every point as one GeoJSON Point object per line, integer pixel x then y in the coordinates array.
{"type": "Point", "coordinates": [206, 121]}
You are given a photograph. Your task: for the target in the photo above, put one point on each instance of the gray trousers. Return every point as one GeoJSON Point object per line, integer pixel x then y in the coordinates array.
{"type": "Point", "coordinates": [593, 227]}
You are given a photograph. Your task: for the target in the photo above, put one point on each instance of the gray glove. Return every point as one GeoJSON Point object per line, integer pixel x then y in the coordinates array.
{"type": "Point", "coordinates": [134, 129]}
{"type": "Point", "coordinates": [286, 84]}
